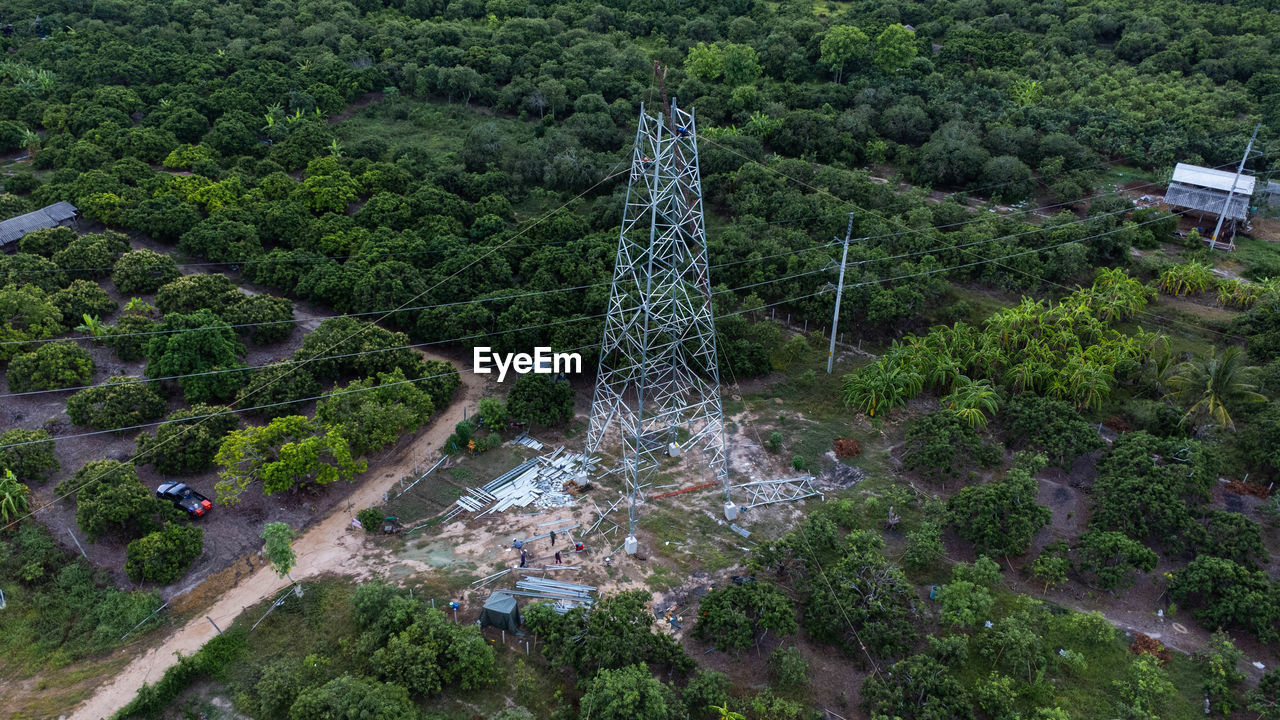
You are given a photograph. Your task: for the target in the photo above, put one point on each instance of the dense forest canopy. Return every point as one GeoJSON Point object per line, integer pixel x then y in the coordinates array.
{"type": "Point", "coordinates": [285, 201]}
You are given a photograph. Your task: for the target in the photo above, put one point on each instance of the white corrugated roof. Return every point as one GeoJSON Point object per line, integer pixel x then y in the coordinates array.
{"type": "Point", "coordinates": [1210, 178]}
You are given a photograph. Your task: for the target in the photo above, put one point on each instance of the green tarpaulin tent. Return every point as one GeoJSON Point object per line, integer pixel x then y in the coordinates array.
{"type": "Point", "coordinates": [501, 611]}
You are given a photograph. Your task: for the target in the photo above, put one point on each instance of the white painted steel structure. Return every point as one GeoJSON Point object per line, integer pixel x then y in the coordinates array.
{"type": "Point", "coordinates": [658, 365]}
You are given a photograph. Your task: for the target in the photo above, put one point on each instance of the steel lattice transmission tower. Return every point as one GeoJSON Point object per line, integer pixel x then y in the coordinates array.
{"type": "Point", "coordinates": [658, 369]}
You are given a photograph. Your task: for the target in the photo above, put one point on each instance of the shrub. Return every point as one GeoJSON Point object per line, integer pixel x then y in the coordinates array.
{"type": "Point", "coordinates": [788, 668]}
{"type": "Point", "coordinates": [371, 518]}
{"type": "Point", "coordinates": [163, 556]}
{"type": "Point", "coordinates": [51, 366]}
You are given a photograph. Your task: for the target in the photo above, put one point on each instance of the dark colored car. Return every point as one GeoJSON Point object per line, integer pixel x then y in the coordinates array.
{"type": "Point", "coordinates": [184, 498]}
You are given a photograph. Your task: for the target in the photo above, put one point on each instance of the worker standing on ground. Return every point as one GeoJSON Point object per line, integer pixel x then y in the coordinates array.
{"type": "Point", "coordinates": [557, 557]}
{"type": "Point", "coordinates": [553, 538]}
{"type": "Point", "coordinates": [522, 559]}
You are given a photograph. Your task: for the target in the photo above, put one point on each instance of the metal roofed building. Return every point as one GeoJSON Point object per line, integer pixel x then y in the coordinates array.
{"type": "Point", "coordinates": [1206, 190]}
{"type": "Point", "coordinates": [13, 229]}
{"type": "Point", "coordinates": [1216, 192]}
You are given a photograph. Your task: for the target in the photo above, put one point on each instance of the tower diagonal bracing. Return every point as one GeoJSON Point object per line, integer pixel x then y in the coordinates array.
{"type": "Point", "coordinates": [658, 365]}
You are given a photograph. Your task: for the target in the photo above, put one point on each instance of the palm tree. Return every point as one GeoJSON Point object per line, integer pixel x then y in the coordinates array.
{"type": "Point", "coordinates": [92, 325]}
{"type": "Point", "coordinates": [31, 141]}
{"type": "Point", "coordinates": [881, 387]}
{"type": "Point", "coordinates": [13, 496]}
{"type": "Point", "coordinates": [972, 400]}
{"type": "Point", "coordinates": [1215, 384]}
{"type": "Point", "coordinates": [726, 713]}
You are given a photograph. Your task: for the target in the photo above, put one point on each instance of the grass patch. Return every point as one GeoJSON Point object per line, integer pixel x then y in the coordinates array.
{"type": "Point", "coordinates": [1260, 258]}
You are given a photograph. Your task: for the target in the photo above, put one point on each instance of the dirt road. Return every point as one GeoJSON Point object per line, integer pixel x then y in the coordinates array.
{"type": "Point", "coordinates": [326, 547]}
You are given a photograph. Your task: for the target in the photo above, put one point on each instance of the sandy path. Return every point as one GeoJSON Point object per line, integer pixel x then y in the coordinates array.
{"type": "Point", "coordinates": [326, 547]}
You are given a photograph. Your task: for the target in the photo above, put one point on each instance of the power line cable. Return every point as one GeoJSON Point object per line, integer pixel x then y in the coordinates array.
{"type": "Point", "coordinates": [280, 377]}
{"type": "Point", "coordinates": [284, 363]}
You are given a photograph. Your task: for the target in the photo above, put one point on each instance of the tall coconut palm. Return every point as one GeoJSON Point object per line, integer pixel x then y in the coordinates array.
{"type": "Point", "coordinates": [1214, 385]}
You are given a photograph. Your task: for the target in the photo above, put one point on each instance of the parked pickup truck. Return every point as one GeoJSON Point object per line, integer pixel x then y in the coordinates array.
{"type": "Point", "coordinates": [184, 498]}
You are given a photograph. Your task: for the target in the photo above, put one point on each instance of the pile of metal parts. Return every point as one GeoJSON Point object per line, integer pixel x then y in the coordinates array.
{"type": "Point", "coordinates": [545, 482]}
{"type": "Point", "coordinates": [525, 440]}
{"type": "Point", "coordinates": [565, 595]}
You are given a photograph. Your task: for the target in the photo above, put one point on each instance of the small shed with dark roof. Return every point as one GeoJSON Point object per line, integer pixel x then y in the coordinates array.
{"type": "Point", "coordinates": [13, 229]}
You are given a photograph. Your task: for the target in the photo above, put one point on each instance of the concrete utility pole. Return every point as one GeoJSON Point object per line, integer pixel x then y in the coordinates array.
{"type": "Point", "coordinates": [1226, 206]}
{"type": "Point", "coordinates": [835, 318]}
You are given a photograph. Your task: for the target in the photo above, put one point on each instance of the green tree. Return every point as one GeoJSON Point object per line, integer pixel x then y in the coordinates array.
{"type": "Point", "coordinates": [843, 46]}
{"type": "Point", "coordinates": [1052, 427]}
{"type": "Point", "coordinates": [942, 444]}
{"type": "Point", "coordinates": [279, 546]}
{"type": "Point", "coordinates": [279, 389]}
{"type": "Point", "coordinates": [1146, 690]}
{"type": "Point", "coordinates": [1002, 517]}
{"type": "Point", "coordinates": [1221, 660]}
{"type": "Point", "coordinates": [143, 271]}
{"type": "Point", "coordinates": [924, 546]}
{"type": "Point", "coordinates": [51, 366]}
{"type": "Point", "coordinates": [374, 412]}
{"type": "Point", "coordinates": [1214, 386]}
{"type": "Point", "coordinates": [270, 318]}
{"type": "Point", "coordinates": [706, 690]}
{"type": "Point", "coordinates": [916, 687]}
{"type": "Point", "coordinates": [354, 697]}
{"type": "Point", "coordinates": [434, 652]}
{"type": "Point", "coordinates": [617, 632]}
{"type": "Point", "coordinates": [289, 454]}
{"type": "Point", "coordinates": [537, 398]}
{"type": "Point", "coordinates": [188, 440]}
{"type": "Point", "coordinates": [26, 313]}
{"type": "Point", "coordinates": [91, 256]}
{"type": "Point", "coordinates": [1052, 564]}
{"type": "Point", "coordinates": [704, 62]}
{"type": "Point", "coordinates": [1145, 484]}
{"type": "Point", "coordinates": [788, 668]}
{"type": "Point", "coordinates": [120, 401]}
{"type": "Point", "coordinates": [628, 692]}
{"type": "Point", "coordinates": [190, 293]}
{"type": "Point", "coordinates": [110, 500]}
{"type": "Point", "coordinates": [1109, 557]}
{"type": "Point", "coordinates": [1265, 699]}
{"type": "Point", "coordinates": [31, 458]}
{"type": "Point", "coordinates": [81, 298]}
{"type": "Point", "coordinates": [219, 239]}
{"type": "Point", "coordinates": [495, 414]}
{"type": "Point", "coordinates": [1221, 593]}
{"type": "Point", "coordinates": [736, 616]}
{"type": "Point", "coordinates": [129, 336]}
{"type": "Point", "coordinates": [895, 47]}
{"type": "Point", "coordinates": [202, 349]}
{"type": "Point", "coordinates": [163, 556]}
{"type": "Point", "coordinates": [46, 241]}
{"type": "Point", "coordinates": [13, 497]}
